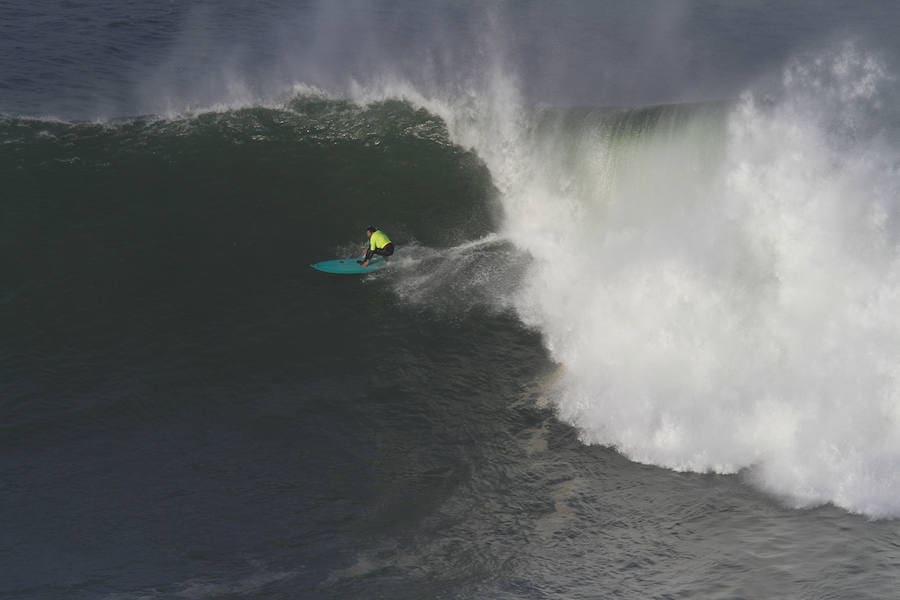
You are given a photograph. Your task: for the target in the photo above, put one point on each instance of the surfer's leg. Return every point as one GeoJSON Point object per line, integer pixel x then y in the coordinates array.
{"type": "Point", "coordinates": [384, 252]}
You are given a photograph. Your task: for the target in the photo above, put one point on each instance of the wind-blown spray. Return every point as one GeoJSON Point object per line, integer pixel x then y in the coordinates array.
{"type": "Point", "coordinates": [723, 290]}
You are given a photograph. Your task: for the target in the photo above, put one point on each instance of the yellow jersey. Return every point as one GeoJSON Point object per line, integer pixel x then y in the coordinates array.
{"type": "Point", "coordinates": [378, 240]}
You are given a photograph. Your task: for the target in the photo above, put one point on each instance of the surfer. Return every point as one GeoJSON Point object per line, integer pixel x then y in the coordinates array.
{"type": "Point", "coordinates": [379, 243]}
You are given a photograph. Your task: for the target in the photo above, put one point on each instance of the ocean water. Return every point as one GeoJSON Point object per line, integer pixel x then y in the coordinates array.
{"type": "Point", "coordinates": [640, 339]}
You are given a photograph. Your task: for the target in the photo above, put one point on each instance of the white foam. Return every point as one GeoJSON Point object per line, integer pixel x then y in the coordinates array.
{"type": "Point", "coordinates": [728, 297]}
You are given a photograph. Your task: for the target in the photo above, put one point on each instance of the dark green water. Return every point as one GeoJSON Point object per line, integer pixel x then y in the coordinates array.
{"type": "Point", "coordinates": [177, 377]}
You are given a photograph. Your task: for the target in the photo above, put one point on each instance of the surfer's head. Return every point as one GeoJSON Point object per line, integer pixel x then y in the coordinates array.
{"type": "Point", "coordinates": [370, 230]}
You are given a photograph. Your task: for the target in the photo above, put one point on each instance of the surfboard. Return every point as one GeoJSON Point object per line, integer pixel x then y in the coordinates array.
{"type": "Point", "coordinates": [348, 266]}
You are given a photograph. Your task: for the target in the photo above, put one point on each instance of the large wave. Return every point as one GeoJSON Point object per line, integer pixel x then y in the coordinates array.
{"type": "Point", "coordinates": [719, 283]}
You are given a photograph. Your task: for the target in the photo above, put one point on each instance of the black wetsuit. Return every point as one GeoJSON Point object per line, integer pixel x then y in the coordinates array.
{"type": "Point", "coordinates": [386, 251]}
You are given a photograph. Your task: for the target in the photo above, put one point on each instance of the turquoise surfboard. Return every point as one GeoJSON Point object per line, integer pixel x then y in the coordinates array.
{"type": "Point", "coordinates": [348, 266]}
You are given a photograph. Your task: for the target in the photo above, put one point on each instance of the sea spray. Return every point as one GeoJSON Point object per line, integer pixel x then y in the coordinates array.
{"type": "Point", "coordinates": [726, 295]}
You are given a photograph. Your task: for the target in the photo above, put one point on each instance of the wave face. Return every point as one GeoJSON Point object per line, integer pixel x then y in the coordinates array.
{"type": "Point", "coordinates": [117, 218]}
{"type": "Point", "coordinates": [721, 284]}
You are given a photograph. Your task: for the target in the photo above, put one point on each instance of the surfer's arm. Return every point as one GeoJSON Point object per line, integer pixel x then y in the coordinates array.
{"type": "Point", "coordinates": [365, 261]}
